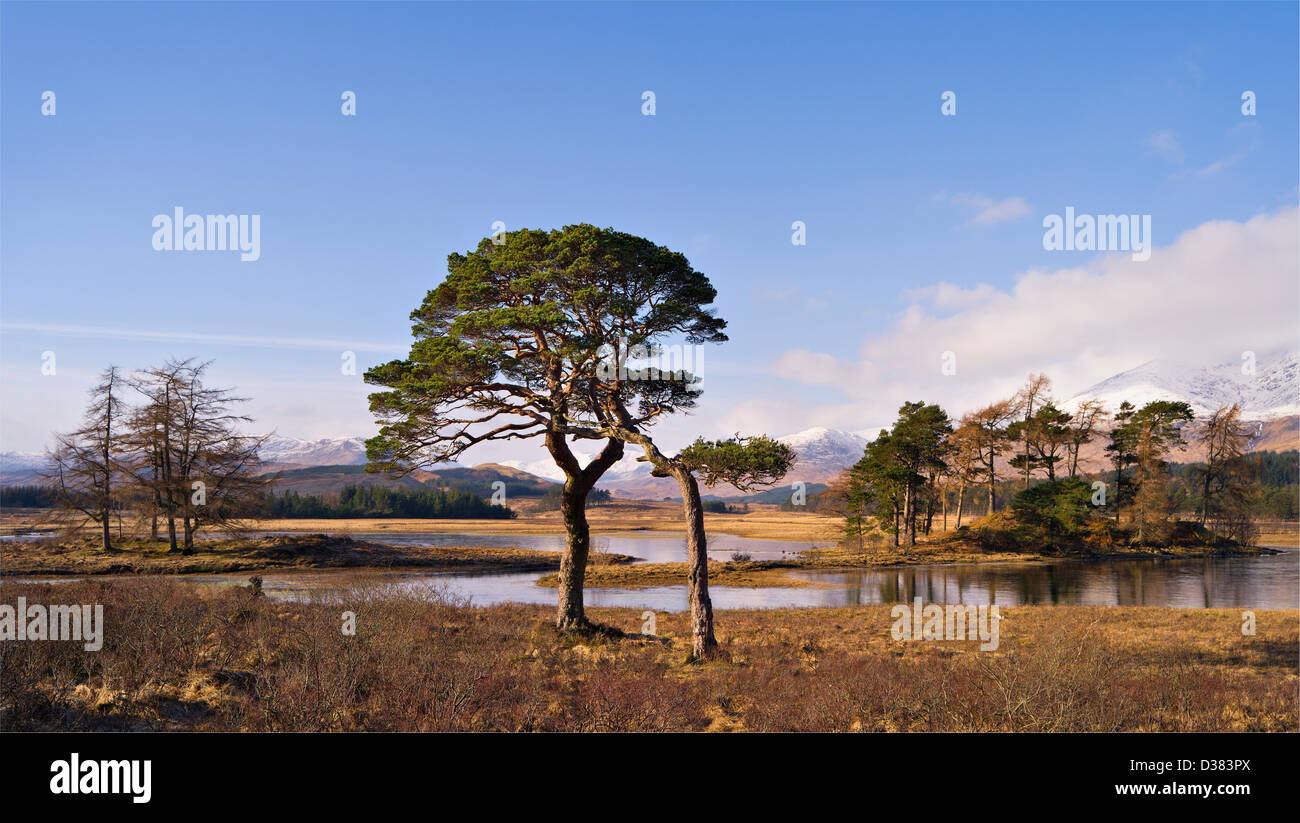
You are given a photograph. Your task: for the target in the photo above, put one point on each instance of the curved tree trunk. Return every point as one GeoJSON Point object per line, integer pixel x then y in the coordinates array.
{"type": "Point", "coordinates": [573, 565]}
{"type": "Point", "coordinates": [570, 615]}
{"type": "Point", "coordinates": [703, 643]}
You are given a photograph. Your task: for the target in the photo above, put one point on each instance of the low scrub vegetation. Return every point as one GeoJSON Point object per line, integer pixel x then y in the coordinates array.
{"type": "Point", "coordinates": [183, 657]}
{"type": "Point", "coordinates": [140, 555]}
{"type": "Point", "coordinates": [1058, 518]}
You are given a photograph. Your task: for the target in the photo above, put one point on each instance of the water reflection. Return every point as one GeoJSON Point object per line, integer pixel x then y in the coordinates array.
{"type": "Point", "coordinates": [653, 547]}
{"type": "Point", "coordinates": [1269, 582]}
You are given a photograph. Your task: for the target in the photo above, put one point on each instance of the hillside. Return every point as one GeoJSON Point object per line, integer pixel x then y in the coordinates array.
{"type": "Point", "coordinates": [330, 480]}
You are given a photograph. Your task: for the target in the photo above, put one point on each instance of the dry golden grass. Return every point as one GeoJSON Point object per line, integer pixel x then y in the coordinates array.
{"type": "Point", "coordinates": [179, 657]}
{"type": "Point", "coordinates": [751, 574]}
{"type": "Point", "coordinates": [761, 522]}
{"type": "Point", "coordinates": [82, 555]}
{"type": "Point", "coordinates": [1279, 533]}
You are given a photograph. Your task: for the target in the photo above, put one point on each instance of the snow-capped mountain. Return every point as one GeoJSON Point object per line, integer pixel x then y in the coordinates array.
{"type": "Point", "coordinates": [20, 468]}
{"type": "Point", "coordinates": [629, 469]}
{"type": "Point", "coordinates": [336, 451]}
{"type": "Point", "coordinates": [1272, 391]}
{"type": "Point", "coordinates": [16, 461]}
{"type": "Point", "coordinates": [823, 453]}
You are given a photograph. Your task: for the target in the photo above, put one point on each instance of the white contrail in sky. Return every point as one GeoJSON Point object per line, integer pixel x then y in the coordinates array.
{"type": "Point", "coordinates": [227, 339]}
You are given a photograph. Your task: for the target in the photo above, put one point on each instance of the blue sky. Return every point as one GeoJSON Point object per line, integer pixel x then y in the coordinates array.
{"type": "Point", "coordinates": [531, 114]}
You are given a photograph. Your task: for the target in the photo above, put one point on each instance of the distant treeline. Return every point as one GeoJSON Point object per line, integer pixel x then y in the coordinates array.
{"type": "Point", "coordinates": [554, 496]}
{"type": "Point", "coordinates": [1277, 473]}
{"type": "Point", "coordinates": [378, 501]}
{"type": "Point", "coordinates": [26, 497]}
{"type": "Point", "coordinates": [480, 482]}
{"type": "Point", "coordinates": [723, 507]}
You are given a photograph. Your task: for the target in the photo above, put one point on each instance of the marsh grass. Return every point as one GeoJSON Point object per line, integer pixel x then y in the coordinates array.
{"type": "Point", "coordinates": [184, 657]}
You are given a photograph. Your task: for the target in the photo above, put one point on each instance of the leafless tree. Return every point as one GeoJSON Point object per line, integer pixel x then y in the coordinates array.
{"type": "Point", "coordinates": [1036, 391]}
{"type": "Point", "coordinates": [965, 465]}
{"type": "Point", "coordinates": [1087, 420]}
{"type": "Point", "coordinates": [987, 427]}
{"type": "Point", "coordinates": [191, 461]}
{"type": "Point", "coordinates": [83, 467]}
{"type": "Point", "coordinates": [1226, 481]}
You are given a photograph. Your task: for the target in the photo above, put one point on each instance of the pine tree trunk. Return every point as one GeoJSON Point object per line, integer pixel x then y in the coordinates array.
{"type": "Point", "coordinates": [993, 480]}
{"type": "Point", "coordinates": [573, 565]}
{"type": "Point", "coordinates": [909, 521]}
{"type": "Point", "coordinates": [703, 643]}
{"type": "Point", "coordinates": [1205, 496]}
{"type": "Point", "coordinates": [1119, 492]}
{"type": "Point", "coordinates": [570, 615]}
{"type": "Point", "coordinates": [961, 502]}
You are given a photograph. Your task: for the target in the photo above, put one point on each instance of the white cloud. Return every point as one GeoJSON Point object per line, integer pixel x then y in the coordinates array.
{"type": "Point", "coordinates": [990, 212]}
{"type": "Point", "coordinates": [1219, 289]}
{"type": "Point", "coordinates": [1222, 163]}
{"type": "Point", "coordinates": [1245, 136]}
{"type": "Point", "coordinates": [1165, 143]}
{"type": "Point", "coordinates": [114, 333]}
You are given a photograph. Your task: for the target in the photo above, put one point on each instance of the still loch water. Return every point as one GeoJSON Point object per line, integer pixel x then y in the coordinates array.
{"type": "Point", "coordinates": [1267, 582]}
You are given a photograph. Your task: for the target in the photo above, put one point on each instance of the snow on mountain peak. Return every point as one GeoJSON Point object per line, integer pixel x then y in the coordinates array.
{"type": "Point", "coordinates": [823, 452]}
{"type": "Point", "coordinates": [337, 451]}
{"type": "Point", "coordinates": [1269, 392]}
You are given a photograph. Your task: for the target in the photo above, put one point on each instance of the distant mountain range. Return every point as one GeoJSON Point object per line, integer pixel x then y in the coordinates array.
{"type": "Point", "coordinates": [822, 454]}
{"type": "Point", "coordinates": [1270, 398]}
{"type": "Point", "coordinates": [339, 451]}
{"type": "Point", "coordinates": [20, 461]}
{"type": "Point", "coordinates": [479, 480]}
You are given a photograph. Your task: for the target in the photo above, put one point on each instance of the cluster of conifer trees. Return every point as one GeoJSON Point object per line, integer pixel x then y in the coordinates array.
{"type": "Point", "coordinates": [380, 501]}
{"type": "Point", "coordinates": [922, 466]}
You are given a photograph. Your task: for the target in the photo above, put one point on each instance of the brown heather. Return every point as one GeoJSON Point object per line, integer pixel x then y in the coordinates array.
{"type": "Point", "coordinates": [177, 656]}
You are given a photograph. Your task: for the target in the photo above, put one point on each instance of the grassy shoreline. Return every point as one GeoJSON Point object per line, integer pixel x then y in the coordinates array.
{"type": "Point", "coordinates": [80, 555]}
{"type": "Point", "coordinates": [620, 518]}
{"type": "Point", "coordinates": [136, 556]}
{"type": "Point", "coordinates": [749, 575]}
{"type": "Point", "coordinates": [179, 658]}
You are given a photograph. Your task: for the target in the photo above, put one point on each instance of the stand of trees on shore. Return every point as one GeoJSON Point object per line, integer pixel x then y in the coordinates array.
{"type": "Point", "coordinates": [1277, 495]}
{"type": "Point", "coordinates": [378, 501]}
{"type": "Point", "coordinates": [161, 446]}
{"type": "Point", "coordinates": [1023, 451]}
